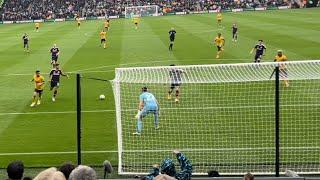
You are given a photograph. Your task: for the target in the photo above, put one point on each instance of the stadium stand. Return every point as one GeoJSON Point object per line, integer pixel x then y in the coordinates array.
{"type": "Point", "coordinates": [13, 10]}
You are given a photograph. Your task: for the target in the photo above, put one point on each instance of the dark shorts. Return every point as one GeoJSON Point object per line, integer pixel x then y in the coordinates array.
{"type": "Point", "coordinates": [257, 56]}
{"type": "Point", "coordinates": [38, 91]}
{"type": "Point", "coordinates": [54, 84]}
{"type": "Point", "coordinates": [219, 48]}
{"type": "Point", "coordinates": [54, 58]}
{"type": "Point", "coordinates": [103, 40]}
{"type": "Point", "coordinates": [175, 85]}
{"type": "Point", "coordinates": [172, 39]}
{"type": "Point", "coordinates": [25, 45]}
{"type": "Point", "coordinates": [136, 23]}
{"type": "Point", "coordinates": [37, 27]}
{"type": "Point", "coordinates": [234, 32]}
{"type": "Point", "coordinates": [78, 24]}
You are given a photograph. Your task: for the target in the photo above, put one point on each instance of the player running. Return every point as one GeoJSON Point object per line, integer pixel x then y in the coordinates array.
{"type": "Point", "coordinates": [172, 35]}
{"type": "Point", "coordinates": [176, 79]}
{"type": "Point", "coordinates": [37, 25]}
{"type": "Point", "coordinates": [39, 85]}
{"type": "Point", "coordinates": [260, 49]}
{"type": "Point", "coordinates": [280, 57]}
{"type": "Point", "coordinates": [136, 21]}
{"type": "Point", "coordinates": [148, 104]}
{"type": "Point", "coordinates": [219, 20]}
{"type": "Point", "coordinates": [25, 39]}
{"type": "Point", "coordinates": [219, 42]}
{"type": "Point", "coordinates": [54, 77]}
{"type": "Point", "coordinates": [78, 22]}
{"type": "Point", "coordinates": [107, 25]}
{"type": "Point", "coordinates": [103, 38]}
{"type": "Point", "coordinates": [234, 32]}
{"type": "Point", "coordinates": [54, 55]}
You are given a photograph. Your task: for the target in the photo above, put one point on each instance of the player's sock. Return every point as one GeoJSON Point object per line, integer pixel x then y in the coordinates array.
{"type": "Point", "coordinates": [139, 126]}
{"type": "Point", "coordinates": [177, 93]}
{"type": "Point", "coordinates": [104, 45]}
{"type": "Point", "coordinates": [156, 120]}
{"type": "Point", "coordinates": [55, 93]}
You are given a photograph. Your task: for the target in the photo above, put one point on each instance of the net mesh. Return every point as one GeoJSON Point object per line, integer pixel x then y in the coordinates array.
{"type": "Point", "coordinates": [224, 120]}
{"type": "Point", "coordinates": [141, 11]}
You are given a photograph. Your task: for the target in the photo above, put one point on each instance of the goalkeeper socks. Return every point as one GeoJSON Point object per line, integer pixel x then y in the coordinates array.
{"type": "Point", "coordinates": [156, 119]}
{"type": "Point", "coordinates": [55, 93]}
{"type": "Point", "coordinates": [139, 126]}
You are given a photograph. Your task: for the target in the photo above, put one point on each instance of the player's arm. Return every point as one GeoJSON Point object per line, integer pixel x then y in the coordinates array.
{"type": "Point", "coordinates": [253, 49]}
{"type": "Point", "coordinates": [264, 51]}
{"type": "Point", "coordinates": [140, 107]}
{"type": "Point", "coordinates": [223, 41]}
{"type": "Point", "coordinates": [50, 74]}
{"type": "Point", "coordinates": [64, 74]}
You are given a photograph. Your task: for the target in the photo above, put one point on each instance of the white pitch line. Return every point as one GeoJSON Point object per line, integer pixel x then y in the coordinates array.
{"type": "Point", "coordinates": [127, 110]}
{"type": "Point", "coordinates": [160, 150]}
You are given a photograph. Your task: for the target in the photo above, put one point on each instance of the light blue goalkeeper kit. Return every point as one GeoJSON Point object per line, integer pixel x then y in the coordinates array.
{"type": "Point", "coordinates": [150, 106]}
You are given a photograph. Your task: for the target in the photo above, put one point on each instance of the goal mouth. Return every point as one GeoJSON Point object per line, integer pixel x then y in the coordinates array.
{"type": "Point", "coordinates": [224, 119]}
{"type": "Point", "coordinates": [141, 11]}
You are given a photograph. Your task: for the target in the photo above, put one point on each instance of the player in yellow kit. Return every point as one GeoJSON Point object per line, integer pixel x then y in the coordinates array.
{"type": "Point", "coordinates": [219, 42]}
{"type": "Point", "coordinates": [107, 25]}
{"type": "Point", "coordinates": [103, 38]}
{"type": "Point", "coordinates": [38, 88]}
{"type": "Point", "coordinates": [78, 22]}
{"type": "Point", "coordinates": [37, 25]}
{"type": "Point", "coordinates": [282, 68]}
{"type": "Point", "coordinates": [136, 21]}
{"type": "Point", "coordinates": [219, 19]}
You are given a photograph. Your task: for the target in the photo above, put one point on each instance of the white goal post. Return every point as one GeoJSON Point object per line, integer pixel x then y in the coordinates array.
{"type": "Point", "coordinates": [225, 118]}
{"type": "Point", "coordinates": [140, 11]}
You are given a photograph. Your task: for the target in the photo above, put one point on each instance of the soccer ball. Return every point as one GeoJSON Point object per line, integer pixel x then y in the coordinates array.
{"type": "Point", "coordinates": [102, 97]}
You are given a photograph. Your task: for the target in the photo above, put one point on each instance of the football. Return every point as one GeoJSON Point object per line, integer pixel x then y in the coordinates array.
{"type": "Point", "coordinates": [102, 97]}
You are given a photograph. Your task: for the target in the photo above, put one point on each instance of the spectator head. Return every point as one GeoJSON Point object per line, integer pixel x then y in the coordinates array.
{"type": "Point", "coordinates": [248, 176]}
{"type": "Point", "coordinates": [290, 173]}
{"type": "Point", "coordinates": [164, 177]}
{"type": "Point", "coordinates": [15, 170]}
{"type": "Point", "coordinates": [46, 174]}
{"type": "Point", "coordinates": [144, 89]}
{"type": "Point", "coordinates": [58, 176]}
{"type": "Point", "coordinates": [167, 167]}
{"type": "Point", "coordinates": [83, 173]}
{"type": "Point", "coordinates": [213, 173]}
{"type": "Point", "coordinates": [66, 169]}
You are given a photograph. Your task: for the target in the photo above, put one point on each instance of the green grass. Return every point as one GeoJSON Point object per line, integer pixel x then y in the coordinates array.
{"type": "Point", "coordinates": [294, 31]}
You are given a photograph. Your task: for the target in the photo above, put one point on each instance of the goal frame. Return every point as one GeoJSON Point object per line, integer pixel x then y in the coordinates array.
{"type": "Point", "coordinates": [128, 16]}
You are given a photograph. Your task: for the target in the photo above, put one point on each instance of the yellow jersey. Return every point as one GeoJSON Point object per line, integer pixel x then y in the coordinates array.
{"type": "Point", "coordinates": [282, 58]}
{"type": "Point", "coordinates": [37, 25]}
{"type": "Point", "coordinates": [103, 35]}
{"type": "Point", "coordinates": [136, 20]}
{"type": "Point", "coordinates": [38, 82]}
{"type": "Point", "coordinates": [219, 16]}
{"type": "Point", "coordinates": [106, 24]}
{"type": "Point", "coordinates": [219, 41]}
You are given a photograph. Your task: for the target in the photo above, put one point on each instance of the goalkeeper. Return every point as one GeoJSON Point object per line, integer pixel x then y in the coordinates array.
{"type": "Point", "coordinates": [148, 104]}
{"type": "Point", "coordinates": [167, 168]}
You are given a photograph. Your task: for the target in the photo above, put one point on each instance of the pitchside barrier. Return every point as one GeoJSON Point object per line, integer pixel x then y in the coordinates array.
{"type": "Point", "coordinates": [262, 118]}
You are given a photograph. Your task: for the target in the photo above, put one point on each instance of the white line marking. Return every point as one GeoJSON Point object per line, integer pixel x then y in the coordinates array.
{"type": "Point", "coordinates": [160, 150]}
{"type": "Point", "coordinates": [199, 108]}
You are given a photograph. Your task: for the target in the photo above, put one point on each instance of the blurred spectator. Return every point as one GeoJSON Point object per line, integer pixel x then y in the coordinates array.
{"type": "Point", "coordinates": [107, 168]}
{"type": "Point", "coordinates": [58, 176]}
{"type": "Point", "coordinates": [290, 173]}
{"type": "Point", "coordinates": [46, 174]}
{"type": "Point", "coordinates": [15, 170]}
{"type": "Point", "coordinates": [167, 169]}
{"type": "Point", "coordinates": [248, 176]}
{"type": "Point", "coordinates": [27, 178]}
{"type": "Point", "coordinates": [66, 169]}
{"type": "Point", "coordinates": [83, 173]}
{"type": "Point", "coordinates": [213, 173]}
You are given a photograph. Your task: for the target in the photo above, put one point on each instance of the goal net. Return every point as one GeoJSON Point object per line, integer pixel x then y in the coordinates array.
{"type": "Point", "coordinates": [140, 11]}
{"type": "Point", "coordinates": [225, 119]}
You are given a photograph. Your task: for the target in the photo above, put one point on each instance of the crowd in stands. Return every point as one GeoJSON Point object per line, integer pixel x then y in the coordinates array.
{"type": "Point", "coordinates": [46, 9]}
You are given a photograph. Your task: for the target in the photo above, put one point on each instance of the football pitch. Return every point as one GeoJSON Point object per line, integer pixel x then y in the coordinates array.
{"type": "Point", "coordinates": [46, 135]}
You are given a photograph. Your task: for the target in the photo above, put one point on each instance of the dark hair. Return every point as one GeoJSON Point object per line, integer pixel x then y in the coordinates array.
{"type": "Point", "coordinates": [145, 89]}
{"type": "Point", "coordinates": [248, 176]}
{"type": "Point", "coordinates": [15, 170]}
{"type": "Point", "coordinates": [37, 71]}
{"type": "Point", "coordinates": [67, 168]}
{"type": "Point", "coordinates": [260, 40]}
{"type": "Point", "coordinates": [213, 173]}
{"type": "Point", "coordinates": [27, 178]}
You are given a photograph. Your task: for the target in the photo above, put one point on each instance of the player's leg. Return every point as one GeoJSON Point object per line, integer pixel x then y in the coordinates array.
{"type": "Point", "coordinates": [104, 44]}
{"type": "Point", "coordinates": [156, 119]}
{"type": "Point", "coordinates": [284, 76]}
{"type": "Point", "coordinates": [136, 24]}
{"type": "Point", "coordinates": [177, 93]}
{"type": "Point", "coordinates": [170, 91]}
{"type": "Point", "coordinates": [142, 114]}
{"type": "Point", "coordinates": [236, 36]}
{"type": "Point", "coordinates": [218, 52]}
{"type": "Point", "coordinates": [257, 58]}
{"type": "Point", "coordinates": [34, 98]}
{"type": "Point", "coordinates": [39, 97]}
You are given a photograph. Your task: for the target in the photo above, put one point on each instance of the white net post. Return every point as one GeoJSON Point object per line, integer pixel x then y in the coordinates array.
{"type": "Point", "coordinates": [141, 11]}
{"type": "Point", "coordinates": [225, 118]}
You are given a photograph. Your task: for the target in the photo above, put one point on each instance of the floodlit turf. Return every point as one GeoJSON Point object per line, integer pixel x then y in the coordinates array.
{"type": "Point", "coordinates": [45, 139]}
